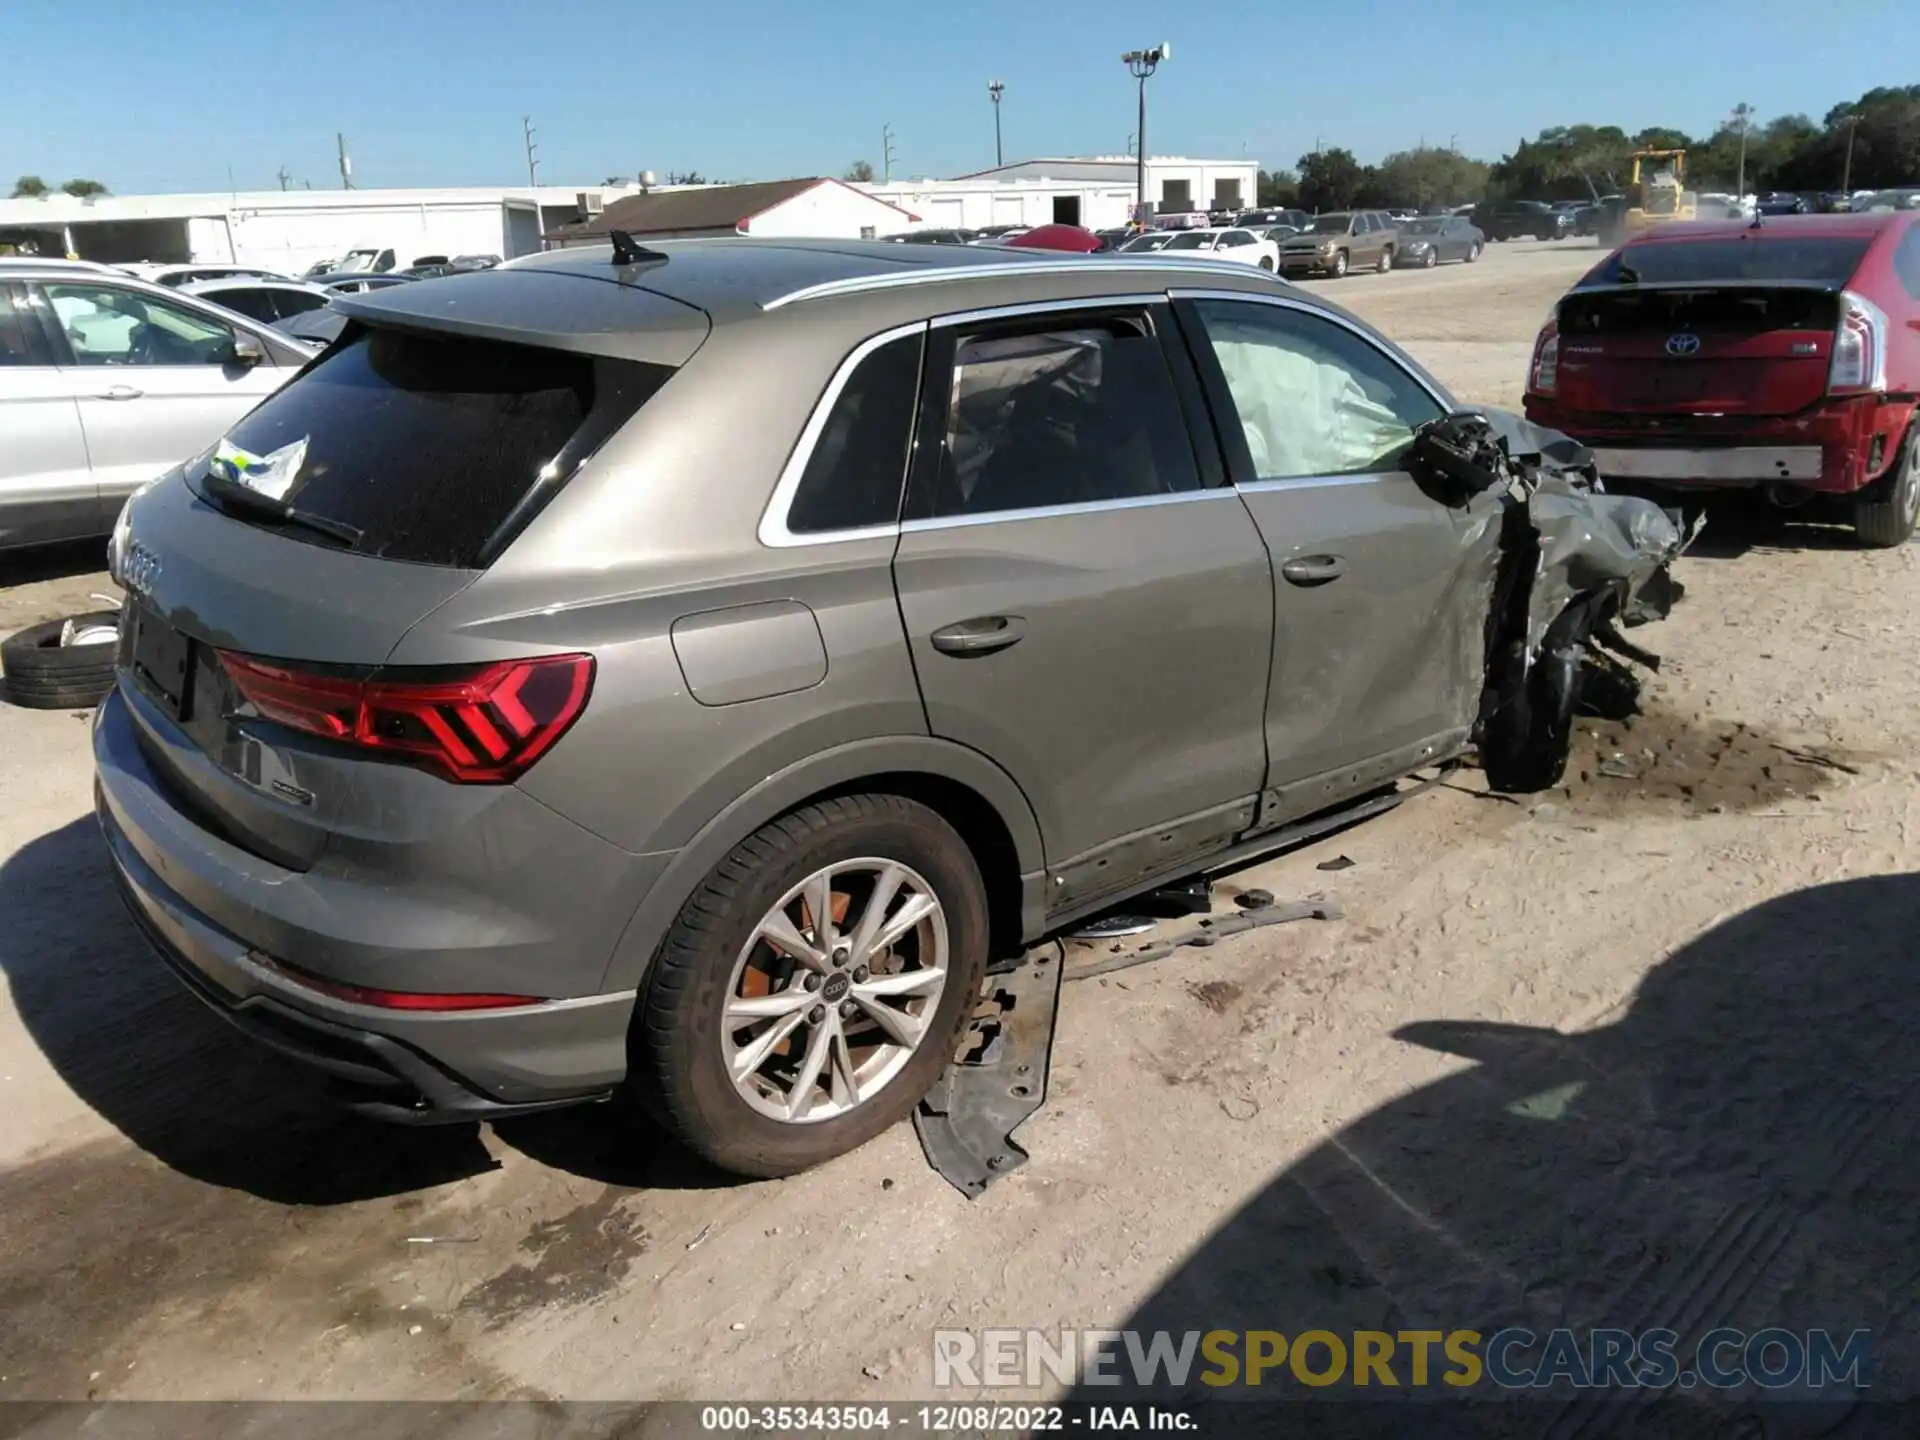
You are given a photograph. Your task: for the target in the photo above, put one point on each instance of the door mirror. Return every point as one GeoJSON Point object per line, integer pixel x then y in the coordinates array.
{"type": "Point", "coordinates": [246, 351]}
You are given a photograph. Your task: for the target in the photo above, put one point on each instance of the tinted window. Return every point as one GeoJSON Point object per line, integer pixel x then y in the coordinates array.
{"type": "Point", "coordinates": [1816, 259]}
{"type": "Point", "coordinates": [1070, 416]}
{"type": "Point", "coordinates": [427, 446]}
{"type": "Point", "coordinates": [859, 461]}
{"type": "Point", "coordinates": [109, 326]}
{"type": "Point", "coordinates": [1235, 238]}
{"type": "Point", "coordinates": [256, 303]}
{"type": "Point", "coordinates": [1312, 397]}
{"type": "Point", "coordinates": [288, 303]}
{"type": "Point", "coordinates": [22, 341]}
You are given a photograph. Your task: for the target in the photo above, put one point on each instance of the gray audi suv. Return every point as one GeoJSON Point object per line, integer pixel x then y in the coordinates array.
{"type": "Point", "coordinates": [686, 668]}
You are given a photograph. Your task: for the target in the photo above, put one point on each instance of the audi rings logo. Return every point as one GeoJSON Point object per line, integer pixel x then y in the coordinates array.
{"type": "Point", "coordinates": [1684, 343]}
{"type": "Point", "coordinates": [139, 569]}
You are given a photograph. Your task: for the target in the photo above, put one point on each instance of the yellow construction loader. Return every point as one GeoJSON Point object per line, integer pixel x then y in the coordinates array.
{"type": "Point", "coordinates": [1656, 195]}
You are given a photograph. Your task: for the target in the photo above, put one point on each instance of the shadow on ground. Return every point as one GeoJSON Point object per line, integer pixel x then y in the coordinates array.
{"type": "Point", "coordinates": [52, 562]}
{"type": "Point", "coordinates": [1738, 1148]}
{"type": "Point", "coordinates": [171, 1076]}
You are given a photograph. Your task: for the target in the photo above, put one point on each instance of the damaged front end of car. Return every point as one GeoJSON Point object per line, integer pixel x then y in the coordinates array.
{"type": "Point", "coordinates": [1571, 566]}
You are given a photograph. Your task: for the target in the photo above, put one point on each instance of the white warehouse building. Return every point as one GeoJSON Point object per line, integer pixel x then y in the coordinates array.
{"type": "Point", "coordinates": [288, 230]}
{"type": "Point", "coordinates": [1095, 191]}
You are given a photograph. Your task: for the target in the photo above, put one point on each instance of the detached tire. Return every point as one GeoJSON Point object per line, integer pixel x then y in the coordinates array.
{"type": "Point", "coordinates": [696, 1025]}
{"type": "Point", "coordinates": [1884, 513]}
{"type": "Point", "coordinates": [38, 673]}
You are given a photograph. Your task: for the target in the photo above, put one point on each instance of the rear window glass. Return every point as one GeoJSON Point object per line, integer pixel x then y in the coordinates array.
{"type": "Point", "coordinates": [1811, 259]}
{"type": "Point", "coordinates": [426, 446]}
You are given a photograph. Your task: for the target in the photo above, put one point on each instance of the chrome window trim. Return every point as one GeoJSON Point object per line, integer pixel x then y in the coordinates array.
{"type": "Point", "coordinates": [1108, 264]}
{"type": "Point", "coordinates": [1439, 397]}
{"type": "Point", "coordinates": [1050, 512]}
{"type": "Point", "coordinates": [1315, 482]}
{"type": "Point", "coordinates": [1042, 307]}
{"type": "Point", "coordinates": [773, 531]}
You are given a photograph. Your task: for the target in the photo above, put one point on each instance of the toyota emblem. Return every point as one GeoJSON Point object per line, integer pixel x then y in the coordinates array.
{"type": "Point", "coordinates": [1684, 343]}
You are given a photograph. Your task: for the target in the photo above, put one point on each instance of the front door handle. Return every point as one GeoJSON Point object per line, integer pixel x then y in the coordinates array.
{"type": "Point", "coordinates": [981, 636]}
{"type": "Point", "coordinates": [1314, 569]}
{"type": "Point", "coordinates": [121, 392]}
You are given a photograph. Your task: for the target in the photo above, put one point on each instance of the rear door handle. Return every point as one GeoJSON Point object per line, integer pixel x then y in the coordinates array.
{"type": "Point", "coordinates": [981, 636]}
{"type": "Point", "coordinates": [1314, 569]}
{"type": "Point", "coordinates": [121, 392]}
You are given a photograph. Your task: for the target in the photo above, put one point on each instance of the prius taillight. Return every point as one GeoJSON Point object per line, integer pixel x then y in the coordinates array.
{"type": "Point", "coordinates": [479, 725]}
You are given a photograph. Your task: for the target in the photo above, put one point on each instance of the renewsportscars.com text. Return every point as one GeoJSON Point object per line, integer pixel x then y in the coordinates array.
{"type": "Point", "coordinates": [1388, 1360]}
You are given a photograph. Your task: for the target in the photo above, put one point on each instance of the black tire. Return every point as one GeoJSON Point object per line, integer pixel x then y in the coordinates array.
{"type": "Point", "coordinates": [1266, 264]}
{"type": "Point", "coordinates": [1339, 264]}
{"type": "Point", "coordinates": [676, 1061]}
{"type": "Point", "coordinates": [1884, 513]}
{"type": "Point", "coordinates": [41, 674]}
{"type": "Point", "coordinates": [1433, 258]}
{"type": "Point", "coordinates": [1473, 251]}
{"type": "Point", "coordinates": [1385, 262]}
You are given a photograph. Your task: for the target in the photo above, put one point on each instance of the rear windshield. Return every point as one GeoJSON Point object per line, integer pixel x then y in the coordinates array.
{"type": "Point", "coordinates": [1332, 224]}
{"type": "Point", "coordinates": [1810, 259]}
{"type": "Point", "coordinates": [420, 449]}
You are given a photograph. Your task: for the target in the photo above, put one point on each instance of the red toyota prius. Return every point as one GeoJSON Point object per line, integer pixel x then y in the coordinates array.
{"type": "Point", "coordinates": [1781, 356]}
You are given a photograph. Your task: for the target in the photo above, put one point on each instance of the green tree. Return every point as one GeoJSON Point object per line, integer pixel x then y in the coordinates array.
{"type": "Point", "coordinates": [1425, 178]}
{"type": "Point", "coordinates": [29, 187]}
{"type": "Point", "coordinates": [1330, 180]}
{"type": "Point", "coordinates": [1277, 188]}
{"type": "Point", "coordinates": [81, 189]}
{"type": "Point", "coordinates": [861, 172]}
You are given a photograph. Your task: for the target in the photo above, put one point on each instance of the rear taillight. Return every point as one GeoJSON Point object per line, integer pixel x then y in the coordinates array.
{"type": "Point", "coordinates": [1545, 376]}
{"type": "Point", "coordinates": [1859, 347]}
{"type": "Point", "coordinates": [395, 999]}
{"type": "Point", "coordinates": [481, 726]}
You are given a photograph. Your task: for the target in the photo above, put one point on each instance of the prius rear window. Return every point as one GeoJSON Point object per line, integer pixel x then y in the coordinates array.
{"type": "Point", "coordinates": [1827, 260]}
{"type": "Point", "coordinates": [424, 448]}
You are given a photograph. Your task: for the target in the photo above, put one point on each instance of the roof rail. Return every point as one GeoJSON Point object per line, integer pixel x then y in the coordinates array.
{"type": "Point", "coordinates": [989, 270]}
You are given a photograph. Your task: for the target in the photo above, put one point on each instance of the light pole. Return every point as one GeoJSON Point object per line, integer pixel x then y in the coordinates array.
{"type": "Point", "coordinates": [1141, 64]}
{"type": "Point", "coordinates": [1742, 119]}
{"type": "Point", "coordinates": [995, 89]}
{"type": "Point", "coordinates": [1852, 122]}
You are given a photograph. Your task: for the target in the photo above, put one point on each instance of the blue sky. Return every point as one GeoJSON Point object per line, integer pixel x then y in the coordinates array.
{"type": "Point", "coordinates": [167, 97]}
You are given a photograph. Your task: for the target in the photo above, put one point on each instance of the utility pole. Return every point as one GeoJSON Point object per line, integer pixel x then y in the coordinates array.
{"type": "Point", "coordinates": [1141, 64]}
{"type": "Point", "coordinates": [1852, 123]}
{"type": "Point", "coordinates": [886, 154]}
{"type": "Point", "coordinates": [1742, 121]}
{"type": "Point", "coordinates": [995, 89]}
{"type": "Point", "coordinates": [533, 165]}
{"type": "Point", "coordinates": [284, 177]}
{"type": "Point", "coordinates": [346, 161]}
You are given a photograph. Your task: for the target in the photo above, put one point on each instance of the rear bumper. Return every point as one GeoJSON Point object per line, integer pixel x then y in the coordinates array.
{"type": "Point", "coordinates": [409, 1066]}
{"type": "Point", "coordinates": [1837, 448]}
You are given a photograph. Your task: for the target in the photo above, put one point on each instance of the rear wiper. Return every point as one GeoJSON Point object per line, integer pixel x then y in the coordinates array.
{"type": "Point", "coordinates": [348, 535]}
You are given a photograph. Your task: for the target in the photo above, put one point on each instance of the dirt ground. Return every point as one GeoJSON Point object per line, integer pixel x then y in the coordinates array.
{"type": "Point", "coordinates": [185, 1217]}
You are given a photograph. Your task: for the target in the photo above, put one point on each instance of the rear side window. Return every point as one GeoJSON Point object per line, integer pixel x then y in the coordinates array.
{"type": "Point", "coordinates": [859, 461]}
{"type": "Point", "coordinates": [290, 303]}
{"type": "Point", "coordinates": [1811, 259]}
{"type": "Point", "coordinates": [254, 303]}
{"type": "Point", "coordinates": [1070, 416]}
{"type": "Point", "coordinates": [423, 448]}
{"type": "Point", "coordinates": [22, 340]}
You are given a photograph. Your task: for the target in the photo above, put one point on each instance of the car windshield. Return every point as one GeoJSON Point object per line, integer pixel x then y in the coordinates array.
{"type": "Point", "coordinates": [1192, 240]}
{"type": "Point", "coordinates": [1812, 259]}
{"type": "Point", "coordinates": [1332, 224]}
{"type": "Point", "coordinates": [1147, 242]}
{"type": "Point", "coordinates": [1422, 227]}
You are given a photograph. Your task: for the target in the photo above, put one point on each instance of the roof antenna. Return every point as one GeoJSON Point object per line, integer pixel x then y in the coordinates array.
{"type": "Point", "coordinates": [628, 251]}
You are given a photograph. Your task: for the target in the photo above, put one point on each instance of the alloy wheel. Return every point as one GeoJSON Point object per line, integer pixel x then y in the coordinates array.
{"type": "Point", "coordinates": [834, 991]}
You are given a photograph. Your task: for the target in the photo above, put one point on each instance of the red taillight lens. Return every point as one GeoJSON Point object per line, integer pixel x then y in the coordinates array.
{"type": "Point", "coordinates": [1545, 378]}
{"type": "Point", "coordinates": [395, 999]}
{"type": "Point", "coordinates": [475, 727]}
{"type": "Point", "coordinates": [1859, 347]}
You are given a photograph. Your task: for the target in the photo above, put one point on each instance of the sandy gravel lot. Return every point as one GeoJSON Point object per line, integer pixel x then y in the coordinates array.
{"type": "Point", "coordinates": [1712, 1120]}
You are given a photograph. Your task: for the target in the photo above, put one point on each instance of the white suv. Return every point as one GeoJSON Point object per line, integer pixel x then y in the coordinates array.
{"type": "Point", "coordinates": [106, 382]}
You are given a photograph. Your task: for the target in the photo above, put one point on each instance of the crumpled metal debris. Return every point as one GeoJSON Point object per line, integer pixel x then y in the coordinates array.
{"type": "Point", "coordinates": [1571, 564]}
